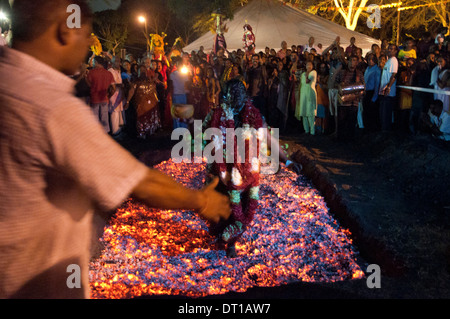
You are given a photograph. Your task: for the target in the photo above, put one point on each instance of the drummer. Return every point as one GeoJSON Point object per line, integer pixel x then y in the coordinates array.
{"type": "Point", "coordinates": [348, 103]}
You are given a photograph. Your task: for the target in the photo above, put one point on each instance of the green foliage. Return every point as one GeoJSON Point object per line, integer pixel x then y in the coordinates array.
{"type": "Point", "coordinates": [420, 16]}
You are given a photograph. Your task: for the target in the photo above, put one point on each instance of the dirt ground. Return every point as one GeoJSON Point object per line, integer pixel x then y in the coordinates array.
{"type": "Point", "coordinates": [390, 190]}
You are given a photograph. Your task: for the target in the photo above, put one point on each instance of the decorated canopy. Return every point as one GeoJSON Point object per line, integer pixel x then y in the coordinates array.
{"type": "Point", "coordinates": [274, 21]}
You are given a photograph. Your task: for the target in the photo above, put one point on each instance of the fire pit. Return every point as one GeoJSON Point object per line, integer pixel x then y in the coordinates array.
{"type": "Point", "coordinates": [162, 252]}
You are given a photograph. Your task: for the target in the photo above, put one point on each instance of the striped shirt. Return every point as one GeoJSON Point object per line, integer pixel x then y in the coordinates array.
{"type": "Point", "coordinates": [57, 167]}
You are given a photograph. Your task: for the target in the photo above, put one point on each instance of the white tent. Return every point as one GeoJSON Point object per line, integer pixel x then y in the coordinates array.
{"type": "Point", "coordinates": [273, 21]}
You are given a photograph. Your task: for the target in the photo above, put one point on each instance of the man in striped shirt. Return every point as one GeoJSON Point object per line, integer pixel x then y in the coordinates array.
{"type": "Point", "coordinates": [57, 165]}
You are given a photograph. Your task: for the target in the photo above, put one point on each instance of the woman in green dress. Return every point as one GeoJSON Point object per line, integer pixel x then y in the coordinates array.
{"type": "Point", "coordinates": [307, 108]}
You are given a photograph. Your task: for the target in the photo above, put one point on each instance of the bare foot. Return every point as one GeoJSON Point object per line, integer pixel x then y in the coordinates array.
{"type": "Point", "coordinates": [231, 251]}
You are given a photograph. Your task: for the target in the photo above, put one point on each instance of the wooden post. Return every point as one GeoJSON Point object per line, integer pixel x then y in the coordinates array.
{"type": "Point", "coordinates": [398, 23]}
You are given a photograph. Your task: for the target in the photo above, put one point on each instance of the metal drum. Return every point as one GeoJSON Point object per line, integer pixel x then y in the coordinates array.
{"type": "Point", "coordinates": [351, 89]}
{"type": "Point", "coordinates": [350, 93]}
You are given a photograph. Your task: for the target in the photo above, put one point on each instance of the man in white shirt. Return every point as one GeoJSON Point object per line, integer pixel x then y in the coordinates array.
{"type": "Point", "coordinates": [311, 45]}
{"type": "Point", "coordinates": [440, 79]}
{"type": "Point", "coordinates": [388, 89]}
{"type": "Point", "coordinates": [57, 165]}
{"type": "Point", "coordinates": [439, 121]}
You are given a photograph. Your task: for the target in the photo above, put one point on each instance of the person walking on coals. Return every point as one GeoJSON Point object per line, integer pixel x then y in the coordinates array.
{"type": "Point", "coordinates": [240, 179]}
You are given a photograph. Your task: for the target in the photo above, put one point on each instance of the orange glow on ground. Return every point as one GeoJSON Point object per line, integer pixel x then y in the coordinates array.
{"type": "Point", "coordinates": [292, 238]}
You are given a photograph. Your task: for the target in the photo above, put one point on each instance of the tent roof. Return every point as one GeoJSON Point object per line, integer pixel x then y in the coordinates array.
{"type": "Point", "coordinates": [273, 21]}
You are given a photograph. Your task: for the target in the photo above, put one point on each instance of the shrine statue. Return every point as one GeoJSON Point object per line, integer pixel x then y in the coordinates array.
{"type": "Point", "coordinates": [219, 42]}
{"type": "Point", "coordinates": [249, 40]}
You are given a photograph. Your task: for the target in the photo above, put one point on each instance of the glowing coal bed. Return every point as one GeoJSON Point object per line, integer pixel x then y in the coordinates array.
{"type": "Point", "coordinates": [292, 238]}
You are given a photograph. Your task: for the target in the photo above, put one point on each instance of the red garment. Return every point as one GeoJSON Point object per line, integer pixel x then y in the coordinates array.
{"type": "Point", "coordinates": [100, 80]}
{"type": "Point", "coordinates": [146, 104]}
{"type": "Point", "coordinates": [242, 211]}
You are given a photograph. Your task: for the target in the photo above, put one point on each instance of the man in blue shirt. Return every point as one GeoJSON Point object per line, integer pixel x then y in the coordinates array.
{"type": "Point", "coordinates": [372, 77]}
{"type": "Point", "coordinates": [178, 80]}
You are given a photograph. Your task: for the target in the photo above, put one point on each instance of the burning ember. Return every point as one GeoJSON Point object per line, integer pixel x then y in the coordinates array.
{"type": "Point", "coordinates": [292, 238]}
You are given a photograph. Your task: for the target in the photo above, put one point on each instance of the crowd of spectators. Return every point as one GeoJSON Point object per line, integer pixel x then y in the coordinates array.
{"type": "Point", "coordinates": [306, 88]}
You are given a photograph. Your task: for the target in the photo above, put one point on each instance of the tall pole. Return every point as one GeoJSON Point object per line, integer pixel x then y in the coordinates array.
{"type": "Point", "coordinates": [398, 23]}
{"type": "Point", "coordinates": [143, 19]}
{"type": "Point", "coordinates": [146, 36]}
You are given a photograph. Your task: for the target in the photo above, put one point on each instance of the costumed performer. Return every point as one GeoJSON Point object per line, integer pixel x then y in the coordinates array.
{"type": "Point", "coordinates": [240, 181]}
{"type": "Point", "coordinates": [177, 49]}
{"type": "Point", "coordinates": [219, 42]}
{"type": "Point", "coordinates": [249, 41]}
{"type": "Point", "coordinates": [157, 48]}
{"type": "Point", "coordinates": [96, 46]}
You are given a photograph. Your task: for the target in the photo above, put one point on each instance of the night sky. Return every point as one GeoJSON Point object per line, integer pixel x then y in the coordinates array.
{"type": "Point", "coordinates": [99, 5]}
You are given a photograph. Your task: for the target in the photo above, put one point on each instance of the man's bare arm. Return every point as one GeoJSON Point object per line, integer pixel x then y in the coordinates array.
{"type": "Point", "coordinates": [160, 191]}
